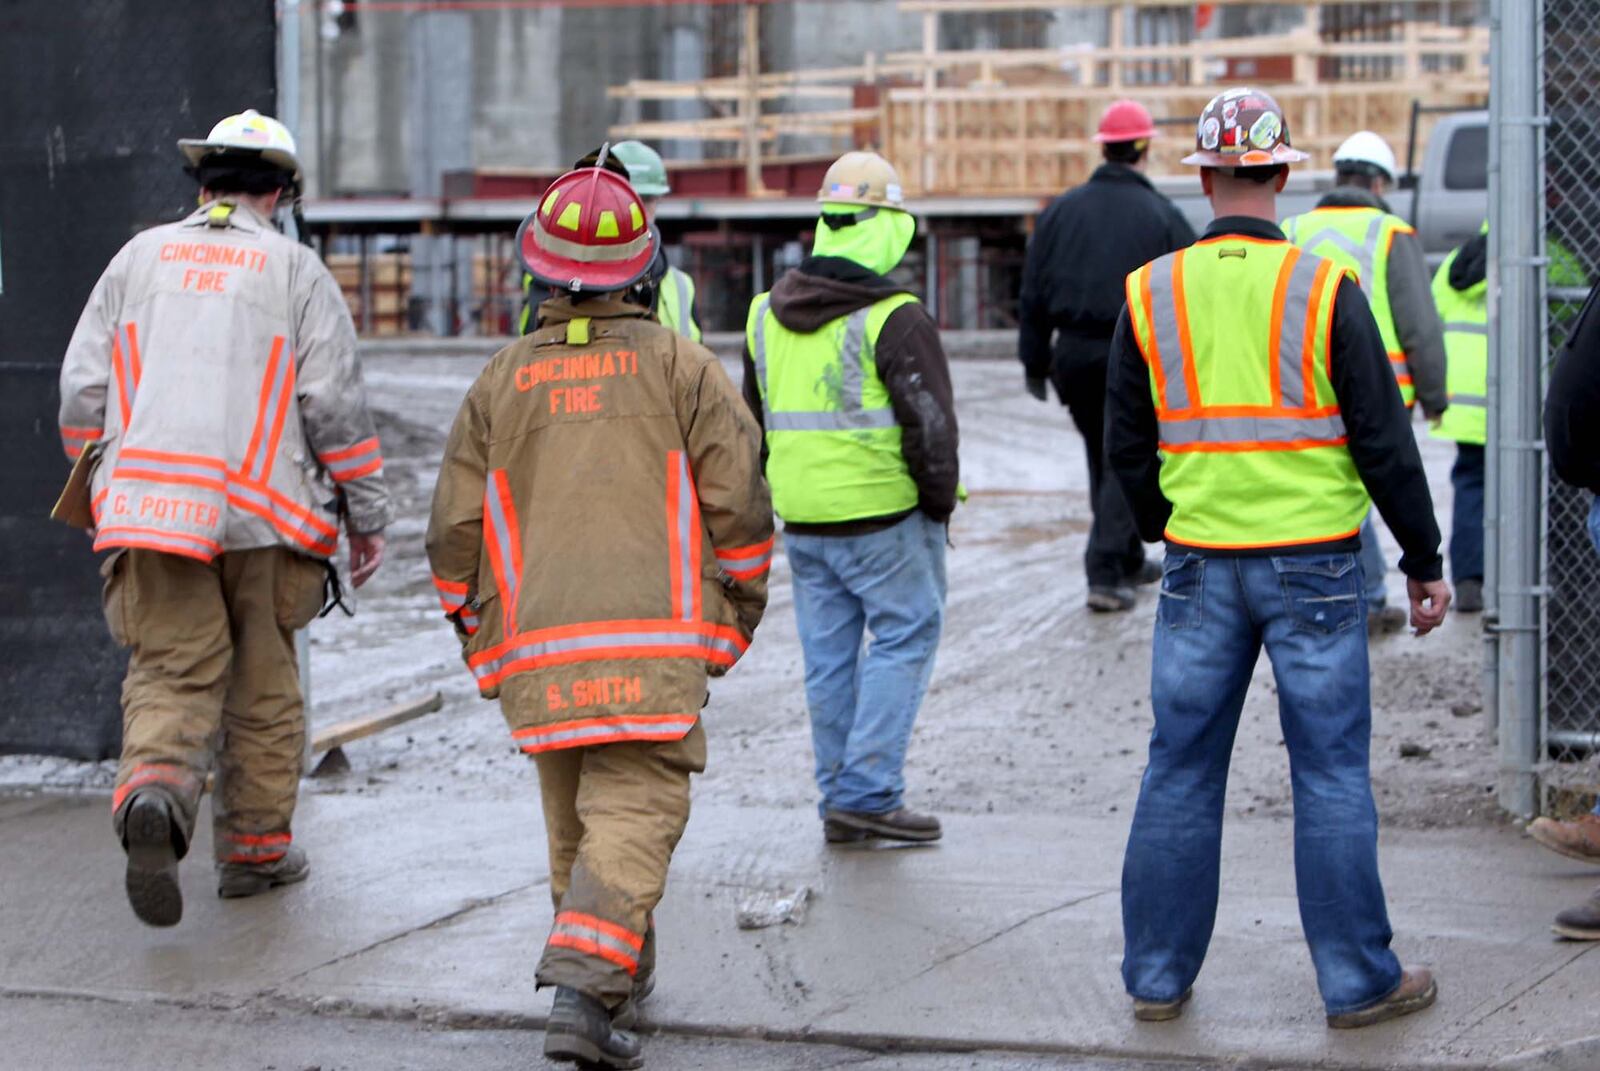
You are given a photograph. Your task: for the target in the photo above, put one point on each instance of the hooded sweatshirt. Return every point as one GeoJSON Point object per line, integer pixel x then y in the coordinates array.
{"type": "Point", "coordinates": [910, 360]}
{"type": "Point", "coordinates": [1572, 408]}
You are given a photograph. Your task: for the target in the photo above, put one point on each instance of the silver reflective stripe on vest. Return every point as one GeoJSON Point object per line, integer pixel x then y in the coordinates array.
{"type": "Point", "coordinates": [1467, 327]}
{"type": "Point", "coordinates": [1251, 430]}
{"type": "Point", "coordinates": [1164, 323]}
{"type": "Point", "coordinates": [1292, 388]}
{"type": "Point", "coordinates": [1477, 401]}
{"type": "Point", "coordinates": [760, 354]}
{"type": "Point", "coordinates": [1363, 254]}
{"type": "Point", "coordinates": [851, 415]}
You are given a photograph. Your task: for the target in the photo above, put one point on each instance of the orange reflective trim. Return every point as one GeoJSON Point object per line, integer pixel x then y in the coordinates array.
{"type": "Point", "coordinates": [292, 508]}
{"type": "Point", "coordinates": [257, 840]}
{"type": "Point", "coordinates": [104, 542]}
{"type": "Point", "coordinates": [139, 454]}
{"type": "Point", "coordinates": [133, 353]}
{"type": "Point", "coordinates": [119, 372]}
{"type": "Point", "coordinates": [99, 501]}
{"type": "Point", "coordinates": [178, 777]}
{"type": "Point", "coordinates": [1152, 357]}
{"type": "Point", "coordinates": [137, 530]}
{"type": "Point", "coordinates": [674, 540]}
{"type": "Point", "coordinates": [375, 465]}
{"type": "Point", "coordinates": [750, 573]}
{"type": "Point", "coordinates": [284, 391]}
{"type": "Point", "coordinates": [603, 654]}
{"type": "Point", "coordinates": [504, 543]}
{"type": "Point", "coordinates": [363, 447]}
{"type": "Point", "coordinates": [610, 929]}
{"type": "Point", "coordinates": [1251, 447]}
{"type": "Point", "coordinates": [755, 550]}
{"type": "Point", "coordinates": [134, 472]}
{"type": "Point", "coordinates": [590, 948]}
{"type": "Point", "coordinates": [1275, 343]}
{"type": "Point", "coordinates": [1308, 359]}
{"type": "Point", "coordinates": [1259, 546]}
{"type": "Point", "coordinates": [262, 402]}
{"type": "Point", "coordinates": [1327, 328]}
{"type": "Point", "coordinates": [1404, 381]}
{"type": "Point", "coordinates": [689, 630]}
{"type": "Point", "coordinates": [86, 434]}
{"type": "Point", "coordinates": [1213, 411]}
{"type": "Point", "coordinates": [1191, 379]}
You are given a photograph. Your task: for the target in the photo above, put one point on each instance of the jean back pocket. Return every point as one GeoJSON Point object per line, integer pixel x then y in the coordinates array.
{"type": "Point", "coordinates": [1321, 592]}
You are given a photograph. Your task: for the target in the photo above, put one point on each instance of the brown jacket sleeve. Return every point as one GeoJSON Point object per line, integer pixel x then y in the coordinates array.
{"type": "Point", "coordinates": [725, 456]}
{"type": "Point", "coordinates": [455, 524]}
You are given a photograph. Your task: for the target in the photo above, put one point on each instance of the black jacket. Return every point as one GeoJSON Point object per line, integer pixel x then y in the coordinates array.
{"type": "Point", "coordinates": [1083, 246]}
{"type": "Point", "coordinates": [1572, 408]}
{"type": "Point", "coordinates": [1380, 436]}
{"type": "Point", "coordinates": [910, 360]}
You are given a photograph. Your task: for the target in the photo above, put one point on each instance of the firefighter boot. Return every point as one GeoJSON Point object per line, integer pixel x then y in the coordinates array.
{"type": "Point", "coordinates": [247, 879]}
{"type": "Point", "coordinates": [152, 844]}
{"type": "Point", "coordinates": [580, 1031]}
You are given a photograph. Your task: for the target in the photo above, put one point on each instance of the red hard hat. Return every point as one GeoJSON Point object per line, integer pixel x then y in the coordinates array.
{"type": "Point", "coordinates": [589, 233]}
{"type": "Point", "coordinates": [1126, 120]}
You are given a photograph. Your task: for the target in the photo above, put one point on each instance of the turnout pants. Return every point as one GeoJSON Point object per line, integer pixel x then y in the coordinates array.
{"type": "Point", "coordinates": [613, 814]}
{"type": "Point", "coordinates": [213, 673]}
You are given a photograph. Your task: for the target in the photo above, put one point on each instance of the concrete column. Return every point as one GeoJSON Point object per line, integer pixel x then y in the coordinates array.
{"type": "Point", "coordinates": [440, 106]}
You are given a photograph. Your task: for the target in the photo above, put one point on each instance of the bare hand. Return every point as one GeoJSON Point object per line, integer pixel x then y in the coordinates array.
{"type": "Point", "coordinates": [1430, 599]}
{"type": "Point", "coordinates": [366, 554]}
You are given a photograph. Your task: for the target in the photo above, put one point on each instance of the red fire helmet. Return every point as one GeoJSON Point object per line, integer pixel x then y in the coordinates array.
{"type": "Point", "coordinates": [1126, 120]}
{"type": "Point", "coordinates": [589, 234]}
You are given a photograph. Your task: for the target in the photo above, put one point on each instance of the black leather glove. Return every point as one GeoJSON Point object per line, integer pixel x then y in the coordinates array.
{"type": "Point", "coordinates": [1039, 387]}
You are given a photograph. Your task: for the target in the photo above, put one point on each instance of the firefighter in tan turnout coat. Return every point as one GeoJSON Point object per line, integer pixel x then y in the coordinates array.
{"type": "Point", "coordinates": [212, 385]}
{"type": "Point", "coordinates": [601, 537]}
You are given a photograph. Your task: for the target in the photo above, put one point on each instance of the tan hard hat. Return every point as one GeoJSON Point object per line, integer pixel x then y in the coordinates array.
{"type": "Point", "coordinates": [862, 178]}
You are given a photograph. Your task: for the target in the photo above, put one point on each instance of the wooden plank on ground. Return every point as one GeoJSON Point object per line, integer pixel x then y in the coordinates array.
{"type": "Point", "coordinates": [370, 724]}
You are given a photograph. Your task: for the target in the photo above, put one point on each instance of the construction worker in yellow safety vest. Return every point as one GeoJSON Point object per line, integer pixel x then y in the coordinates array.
{"type": "Point", "coordinates": [1353, 227]}
{"type": "Point", "coordinates": [1251, 412]}
{"type": "Point", "coordinates": [674, 304]}
{"type": "Point", "coordinates": [1461, 293]}
{"type": "Point", "coordinates": [846, 373]}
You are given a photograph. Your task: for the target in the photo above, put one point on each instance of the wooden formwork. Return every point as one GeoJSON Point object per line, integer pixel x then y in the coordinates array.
{"type": "Point", "coordinates": [1019, 121]}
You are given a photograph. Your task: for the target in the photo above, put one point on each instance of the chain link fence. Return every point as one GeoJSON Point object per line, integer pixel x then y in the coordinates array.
{"type": "Point", "coordinates": [1571, 100]}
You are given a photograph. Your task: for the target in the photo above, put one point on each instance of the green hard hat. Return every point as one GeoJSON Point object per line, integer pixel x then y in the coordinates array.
{"type": "Point", "coordinates": [645, 169]}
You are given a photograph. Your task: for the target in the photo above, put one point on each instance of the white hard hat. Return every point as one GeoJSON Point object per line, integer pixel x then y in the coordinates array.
{"type": "Point", "coordinates": [1365, 147]}
{"type": "Point", "coordinates": [249, 131]}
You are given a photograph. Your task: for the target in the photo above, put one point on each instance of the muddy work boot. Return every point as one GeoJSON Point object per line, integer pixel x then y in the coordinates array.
{"type": "Point", "coordinates": [1149, 572]}
{"type": "Point", "coordinates": [235, 880]}
{"type": "Point", "coordinates": [836, 832]}
{"type": "Point", "coordinates": [1575, 839]}
{"type": "Point", "coordinates": [1416, 991]}
{"type": "Point", "coordinates": [152, 879]}
{"type": "Point", "coordinates": [627, 1012]}
{"type": "Point", "coordinates": [1581, 923]}
{"type": "Point", "coordinates": [898, 824]}
{"type": "Point", "coordinates": [1386, 620]}
{"type": "Point", "coordinates": [1160, 1011]}
{"type": "Point", "coordinates": [1469, 597]}
{"type": "Point", "coordinates": [1108, 599]}
{"type": "Point", "coordinates": [580, 1031]}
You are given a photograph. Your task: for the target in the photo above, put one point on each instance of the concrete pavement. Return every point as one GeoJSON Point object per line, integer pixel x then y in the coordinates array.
{"type": "Point", "coordinates": [430, 908]}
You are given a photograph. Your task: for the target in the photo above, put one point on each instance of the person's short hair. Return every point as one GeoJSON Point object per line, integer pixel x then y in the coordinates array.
{"type": "Point", "coordinates": [240, 173]}
{"type": "Point", "coordinates": [1124, 152]}
{"type": "Point", "coordinates": [1358, 173]}
{"type": "Point", "coordinates": [1260, 174]}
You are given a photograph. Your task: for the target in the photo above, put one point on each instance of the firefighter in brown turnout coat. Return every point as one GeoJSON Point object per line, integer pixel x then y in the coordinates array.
{"type": "Point", "coordinates": [601, 536]}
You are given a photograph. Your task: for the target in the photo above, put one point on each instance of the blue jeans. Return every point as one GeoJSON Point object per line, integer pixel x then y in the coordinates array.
{"type": "Point", "coordinates": [1466, 515]}
{"type": "Point", "coordinates": [1373, 567]}
{"type": "Point", "coordinates": [1214, 617]}
{"type": "Point", "coordinates": [890, 584]}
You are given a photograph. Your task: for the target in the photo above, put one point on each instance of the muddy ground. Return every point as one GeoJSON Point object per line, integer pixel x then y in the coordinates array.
{"type": "Point", "coordinates": [1036, 705]}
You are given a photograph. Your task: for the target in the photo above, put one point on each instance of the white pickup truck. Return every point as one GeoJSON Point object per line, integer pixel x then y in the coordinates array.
{"type": "Point", "coordinates": [1447, 200]}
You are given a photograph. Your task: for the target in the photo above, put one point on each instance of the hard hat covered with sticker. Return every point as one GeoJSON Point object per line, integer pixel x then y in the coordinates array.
{"type": "Point", "coordinates": [1243, 127]}
{"type": "Point", "coordinates": [862, 178]}
{"type": "Point", "coordinates": [588, 235]}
